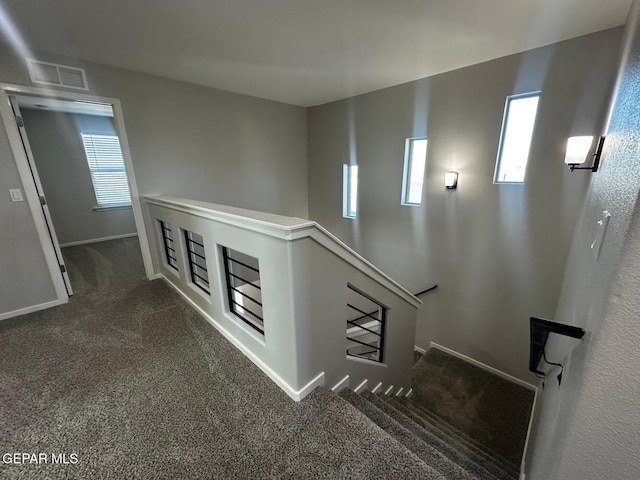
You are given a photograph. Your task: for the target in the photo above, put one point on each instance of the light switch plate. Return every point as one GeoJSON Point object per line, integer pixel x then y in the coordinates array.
{"type": "Point", "coordinates": [16, 195]}
{"type": "Point", "coordinates": [601, 230]}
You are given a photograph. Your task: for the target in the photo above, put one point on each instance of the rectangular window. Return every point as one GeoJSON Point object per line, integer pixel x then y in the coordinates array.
{"type": "Point", "coordinates": [415, 160]}
{"type": "Point", "coordinates": [244, 287]}
{"type": "Point", "coordinates": [106, 165]}
{"type": "Point", "coordinates": [365, 326]}
{"type": "Point", "coordinates": [515, 139]}
{"type": "Point", "coordinates": [169, 246]}
{"type": "Point", "coordinates": [349, 191]}
{"type": "Point", "coordinates": [197, 261]}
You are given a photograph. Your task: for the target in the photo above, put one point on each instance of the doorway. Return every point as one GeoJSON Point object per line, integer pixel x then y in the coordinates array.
{"type": "Point", "coordinates": [96, 176]}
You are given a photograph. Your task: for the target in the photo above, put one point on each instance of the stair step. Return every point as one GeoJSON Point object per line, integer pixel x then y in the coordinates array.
{"type": "Point", "coordinates": [439, 427]}
{"type": "Point", "coordinates": [478, 463]}
{"type": "Point", "coordinates": [429, 454]}
{"type": "Point", "coordinates": [419, 407]}
{"type": "Point", "coordinates": [354, 446]}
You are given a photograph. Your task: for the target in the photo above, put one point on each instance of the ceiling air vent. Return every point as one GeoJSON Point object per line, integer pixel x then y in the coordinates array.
{"type": "Point", "coordinates": [47, 73]}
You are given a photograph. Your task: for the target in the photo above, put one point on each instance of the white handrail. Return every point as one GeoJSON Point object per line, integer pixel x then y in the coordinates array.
{"type": "Point", "coordinates": [286, 228]}
{"type": "Point", "coordinates": [304, 273]}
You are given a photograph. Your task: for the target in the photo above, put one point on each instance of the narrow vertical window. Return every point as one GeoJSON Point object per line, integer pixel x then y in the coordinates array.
{"type": "Point", "coordinates": [415, 160]}
{"type": "Point", "coordinates": [515, 139]}
{"type": "Point", "coordinates": [349, 191]}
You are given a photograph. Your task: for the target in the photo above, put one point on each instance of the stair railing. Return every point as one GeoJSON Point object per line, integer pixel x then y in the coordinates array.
{"type": "Point", "coordinates": [278, 289]}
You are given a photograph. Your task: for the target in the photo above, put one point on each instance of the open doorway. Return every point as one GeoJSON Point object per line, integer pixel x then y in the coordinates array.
{"type": "Point", "coordinates": [78, 168]}
{"type": "Point", "coordinates": [73, 158]}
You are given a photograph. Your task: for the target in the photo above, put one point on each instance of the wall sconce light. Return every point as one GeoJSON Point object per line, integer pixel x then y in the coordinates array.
{"type": "Point", "coordinates": [451, 180]}
{"type": "Point", "coordinates": [578, 150]}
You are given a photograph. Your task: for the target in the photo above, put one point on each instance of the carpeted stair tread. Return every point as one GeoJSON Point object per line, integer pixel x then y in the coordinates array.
{"type": "Point", "coordinates": [432, 419]}
{"type": "Point", "coordinates": [345, 433]}
{"type": "Point", "coordinates": [430, 455]}
{"type": "Point", "coordinates": [480, 465]}
{"type": "Point", "coordinates": [423, 426]}
{"type": "Point", "coordinates": [440, 427]}
{"type": "Point", "coordinates": [494, 410]}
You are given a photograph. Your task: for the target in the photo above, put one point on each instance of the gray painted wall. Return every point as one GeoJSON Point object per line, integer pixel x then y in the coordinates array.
{"type": "Point", "coordinates": [62, 166]}
{"type": "Point", "coordinates": [185, 140]}
{"type": "Point", "coordinates": [588, 428]}
{"type": "Point", "coordinates": [24, 276]}
{"type": "Point", "coordinates": [497, 252]}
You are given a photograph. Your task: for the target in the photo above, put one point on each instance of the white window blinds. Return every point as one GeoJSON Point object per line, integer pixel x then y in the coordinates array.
{"type": "Point", "coordinates": [107, 169]}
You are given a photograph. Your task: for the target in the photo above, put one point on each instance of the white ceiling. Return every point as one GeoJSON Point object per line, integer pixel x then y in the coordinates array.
{"type": "Point", "coordinates": [304, 52]}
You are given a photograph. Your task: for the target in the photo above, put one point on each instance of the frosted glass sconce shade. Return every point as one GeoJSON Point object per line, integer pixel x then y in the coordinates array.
{"type": "Point", "coordinates": [451, 180]}
{"type": "Point", "coordinates": [578, 149]}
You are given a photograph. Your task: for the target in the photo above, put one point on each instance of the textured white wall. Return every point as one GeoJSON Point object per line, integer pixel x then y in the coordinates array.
{"type": "Point", "coordinates": [589, 427]}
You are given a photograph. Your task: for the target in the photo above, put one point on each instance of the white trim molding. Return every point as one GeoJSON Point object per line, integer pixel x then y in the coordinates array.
{"type": "Point", "coordinates": [286, 228]}
{"type": "Point", "coordinates": [33, 308]}
{"type": "Point", "coordinates": [297, 395]}
{"type": "Point", "coordinates": [31, 195]}
{"type": "Point", "coordinates": [484, 366]}
{"type": "Point", "coordinates": [362, 386]}
{"type": "Point", "coordinates": [344, 383]}
{"type": "Point", "coordinates": [98, 240]}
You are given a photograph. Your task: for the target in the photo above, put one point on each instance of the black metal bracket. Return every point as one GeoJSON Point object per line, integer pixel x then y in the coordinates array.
{"type": "Point", "coordinates": [540, 330]}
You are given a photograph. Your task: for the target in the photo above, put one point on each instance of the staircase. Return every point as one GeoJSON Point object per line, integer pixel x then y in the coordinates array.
{"type": "Point", "coordinates": [309, 296]}
{"type": "Point", "coordinates": [440, 446]}
{"type": "Point", "coordinates": [462, 421]}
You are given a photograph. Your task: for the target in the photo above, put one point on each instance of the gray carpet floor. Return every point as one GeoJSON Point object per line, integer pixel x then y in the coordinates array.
{"type": "Point", "coordinates": [138, 385]}
{"type": "Point", "coordinates": [132, 380]}
{"type": "Point", "coordinates": [489, 409]}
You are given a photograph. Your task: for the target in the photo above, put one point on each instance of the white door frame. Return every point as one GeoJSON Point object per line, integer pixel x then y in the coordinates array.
{"type": "Point", "coordinates": [31, 194]}
{"type": "Point", "coordinates": [41, 193]}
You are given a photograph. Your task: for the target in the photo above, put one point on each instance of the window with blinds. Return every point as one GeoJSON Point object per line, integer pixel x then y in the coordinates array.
{"type": "Point", "coordinates": [106, 165]}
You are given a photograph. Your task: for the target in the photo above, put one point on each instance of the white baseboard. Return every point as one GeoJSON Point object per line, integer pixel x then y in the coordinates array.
{"type": "Point", "coordinates": [362, 386]}
{"type": "Point", "coordinates": [484, 366]}
{"type": "Point", "coordinates": [409, 393]}
{"type": "Point", "coordinates": [377, 388]}
{"type": "Point", "coordinates": [526, 441]}
{"type": "Point", "coordinates": [33, 308]}
{"type": "Point", "coordinates": [341, 384]}
{"type": "Point", "coordinates": [419, 349]}
{"type": "Point", "coordinates": [296, 395]}
{"type": "Point", "coordinates": [96, 240]}
{"type": "Point", "coordinates": [388, 390]}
